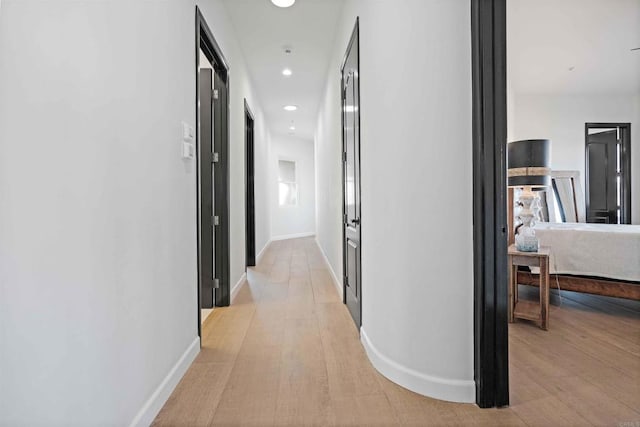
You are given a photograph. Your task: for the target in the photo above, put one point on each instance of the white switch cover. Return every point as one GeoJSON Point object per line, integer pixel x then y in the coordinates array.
{"type": "Point", "coordinates": [187, 132]}
{"type": "Point", "coordinates": [188, 150]}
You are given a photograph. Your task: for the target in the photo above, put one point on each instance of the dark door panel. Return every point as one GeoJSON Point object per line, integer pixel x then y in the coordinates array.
{"type": "Point", "coordinates": [607, 181]}
{"type": "Point", "coordinates": [205, 157]}
{"type": "Point", "coordinates": [351, 177]}
{"type": "Point", "coordinates": [598, 176]}
{"type": "Point", "coordinates": [221, 185]}
{"type": "Point", "coordinates": [353, 280]}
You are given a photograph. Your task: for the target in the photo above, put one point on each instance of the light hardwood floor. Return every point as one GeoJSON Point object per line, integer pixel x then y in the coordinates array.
{"type": "Point", "coordinates": [287, 353]}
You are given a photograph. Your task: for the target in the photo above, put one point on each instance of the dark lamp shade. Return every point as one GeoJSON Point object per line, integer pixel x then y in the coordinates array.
{"type": "Point", "coordinates": [529, 163]}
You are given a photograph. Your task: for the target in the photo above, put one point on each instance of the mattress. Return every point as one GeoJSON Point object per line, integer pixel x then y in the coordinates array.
{"type": "Point", "coordinates": [601, 250]}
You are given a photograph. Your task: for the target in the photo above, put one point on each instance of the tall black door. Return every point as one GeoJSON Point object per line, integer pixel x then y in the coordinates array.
{"type": "Point", "coordinates": [250, 213]}
{"type": "Point", "coordinates": [212, 132]}
{"type": "Point", "coordinates": [603, 183]}
{"type": "Point", "coordinates": [351, 177]}
{"type": "Point", "coordinates": [207, 218]}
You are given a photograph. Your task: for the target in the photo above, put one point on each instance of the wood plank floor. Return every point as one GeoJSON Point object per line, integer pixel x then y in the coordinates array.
{"type": "Point", "coordinates": [585, 369]}
{"type": "Point", "coordinates": [287, 353]}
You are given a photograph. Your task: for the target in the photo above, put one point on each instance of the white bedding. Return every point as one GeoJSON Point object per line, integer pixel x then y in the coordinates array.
{"type": "Point", "coordinates": [602, 250]}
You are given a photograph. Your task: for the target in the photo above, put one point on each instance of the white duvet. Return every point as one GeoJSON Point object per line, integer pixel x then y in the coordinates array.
{"type": "Point", "coordinates": [603, 250]}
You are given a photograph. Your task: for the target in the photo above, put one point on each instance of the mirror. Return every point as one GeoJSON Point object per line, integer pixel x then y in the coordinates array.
{"type": "Point", "coordinates": [287, 185]}
{"type": "Point", "coordinates": [564, 201]}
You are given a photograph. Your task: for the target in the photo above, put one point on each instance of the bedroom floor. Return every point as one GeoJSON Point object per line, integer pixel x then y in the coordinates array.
{"type": "Point", "coordinates": [287, 353]}
{"type": "Point", "coordinates": [585, 369]}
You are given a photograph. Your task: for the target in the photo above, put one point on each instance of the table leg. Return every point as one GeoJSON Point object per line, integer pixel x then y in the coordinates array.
{"type": "Point", "coordinates": [515, 284]}
{"type": "Point", "coordinates": [511, 291]}
{"type": "Point", "coordinates": [544, 293]}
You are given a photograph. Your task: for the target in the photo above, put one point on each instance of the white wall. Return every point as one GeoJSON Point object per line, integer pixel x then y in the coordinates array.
{"type": "Point", "coordinates": [328, 157]}
{"type": "Point", "coordinates": [417, 295]}
{"type": "Point", "coordinates": [511, 112]}
{"type": "Point", "coordinates": [300, 219]}
{"type": "Point", "coordinates": [98, 248]}
{"type": "Point", "coordinates": [561, 118]}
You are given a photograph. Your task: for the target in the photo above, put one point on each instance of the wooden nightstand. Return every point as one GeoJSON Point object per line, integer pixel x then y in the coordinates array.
{"type": "Point", "coordinates": [526, 309]}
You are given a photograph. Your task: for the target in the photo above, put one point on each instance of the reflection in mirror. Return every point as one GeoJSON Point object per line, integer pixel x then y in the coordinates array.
{"type": "Point", "coordinates": [287, 185]}
{"type": "Point", "coordinates": [564, 201]}
{"type": "Point", "coordinates": [545, 214]}
{"type": "Point", "coordinates": [564, 189]}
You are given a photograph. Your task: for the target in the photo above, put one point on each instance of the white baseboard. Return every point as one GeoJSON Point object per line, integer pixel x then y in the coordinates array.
{"type": "Point", "coordinates": [439, 388]}
{"type": "Point", "coordinates": [293, 236]}
{"type": "Point", "coordinates": [236, 288]}
{"type": "Point", "coordinates": [152, 406]}
{"type": "Point", "coordinates": [262, 252]}
{"type": "Point", "coordinates": [336, 281]}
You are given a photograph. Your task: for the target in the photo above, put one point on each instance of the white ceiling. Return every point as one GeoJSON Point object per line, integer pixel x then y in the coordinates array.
{"type": "Point", "coordinates": [263, 30]}
{"type": "Point", "coordinates": [547, 37]}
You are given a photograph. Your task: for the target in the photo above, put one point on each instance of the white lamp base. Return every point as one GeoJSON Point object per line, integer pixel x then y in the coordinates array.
{"type": "Point", "coordinates": [526, 240]}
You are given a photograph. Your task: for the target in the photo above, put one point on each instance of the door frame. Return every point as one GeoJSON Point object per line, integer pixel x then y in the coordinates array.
{"type": "Point", "coordinates": [204, 40]}
{"type": "Point", "coordinates": [355, 38]}
{"type": "Point", "coordinates": [625, 163]}
{"type": "Point", "coordinates": [249, 180]}
{"type": "Point", "coordinates": [489, 99]}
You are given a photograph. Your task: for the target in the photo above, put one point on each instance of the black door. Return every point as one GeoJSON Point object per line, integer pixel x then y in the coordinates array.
{"type": "Point", "coordinates": [212, 130]}
{"type": "Point", "coordinates": [221, 186]}
{"type": "Point", "coordinates": [250, 213]}
{"type": "Point", "coordinates": [207, 219]}
{"type": "Point", "coordinates": [351, 177]}
{"type": "Point", "coordinates": [606, 180]}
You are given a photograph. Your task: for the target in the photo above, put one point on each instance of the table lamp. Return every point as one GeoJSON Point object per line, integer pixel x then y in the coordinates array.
{"type": "Point", "coordinates": [528, 168]}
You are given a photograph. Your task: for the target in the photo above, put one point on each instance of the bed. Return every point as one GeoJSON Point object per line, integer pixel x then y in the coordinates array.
{"type": "Point", "coordinates": [600, 259]}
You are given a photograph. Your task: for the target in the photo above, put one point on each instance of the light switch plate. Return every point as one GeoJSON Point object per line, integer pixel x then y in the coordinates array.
{"type": "Point", "coordinates": [188, 150]}
{"type": "Point", "coordinates": [187, 132]}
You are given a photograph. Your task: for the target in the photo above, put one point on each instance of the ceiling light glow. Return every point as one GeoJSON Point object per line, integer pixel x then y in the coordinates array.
{"type": "Point", "coordinates": [287, 72]}
{"type": "Point", "coordinates": [292, 128]}
{"type": "Point", "coordinates": [290, 108]}
{"type": "Point", "coordinates": [283, 3]}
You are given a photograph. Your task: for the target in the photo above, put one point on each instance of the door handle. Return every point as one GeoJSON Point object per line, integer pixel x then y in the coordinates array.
{"type": "Point", "coordinates": [355, 221]}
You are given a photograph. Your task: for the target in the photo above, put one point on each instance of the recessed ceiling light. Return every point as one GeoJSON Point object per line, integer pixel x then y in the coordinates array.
{"type": "Point", "coordinates": [283, 3]}
{"type": "Point", "coordinates": [290, 107]}
{"type": "Point", "coordinates": [287, 72]}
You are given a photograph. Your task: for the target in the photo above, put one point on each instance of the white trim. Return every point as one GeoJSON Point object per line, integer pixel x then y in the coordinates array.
{"type": "Point", "coordinates": [243, 279]}
{"type": "Point", "coordinates": [236, 288]}
{"type": "Point", "coordinates": [262, 252]}
{"type": "Point", "coordinates": [336, 281]}
{"type": "Point", "coordinates": [461, 391]}
{"type": "Point", "coordinates": [152, 406]}
{"type": "Point", "coordinates": [293, 236]}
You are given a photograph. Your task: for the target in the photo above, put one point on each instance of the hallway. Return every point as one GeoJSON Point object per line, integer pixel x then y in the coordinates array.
{"type": "Point", "coordinates": [287, 353]}
{"type": "Point", "coordinates": [168, 143]}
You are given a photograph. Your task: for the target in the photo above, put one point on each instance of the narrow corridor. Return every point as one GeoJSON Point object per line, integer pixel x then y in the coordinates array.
{"type": "Point", "coordinates": [287, 353]}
